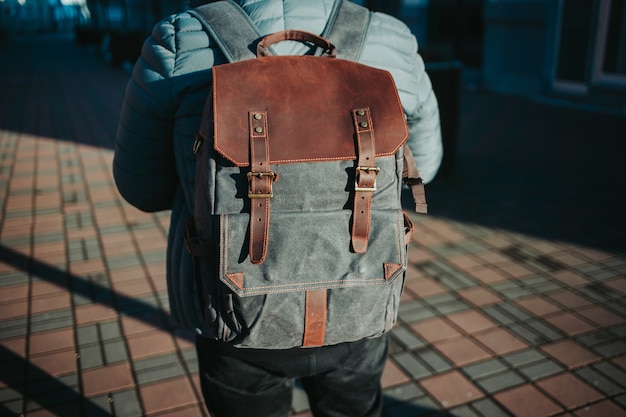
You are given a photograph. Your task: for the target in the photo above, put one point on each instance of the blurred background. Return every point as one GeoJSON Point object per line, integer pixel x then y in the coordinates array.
{"type": "Point", "coordinates": [571, 47]}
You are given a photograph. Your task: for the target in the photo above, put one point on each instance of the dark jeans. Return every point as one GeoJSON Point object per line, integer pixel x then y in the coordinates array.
{"type": "Point", "coordinates": [341, 380]}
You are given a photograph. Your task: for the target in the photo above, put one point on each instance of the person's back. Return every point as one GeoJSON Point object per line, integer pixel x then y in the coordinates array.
{"type": "Point", "coordinates": [154, 170]}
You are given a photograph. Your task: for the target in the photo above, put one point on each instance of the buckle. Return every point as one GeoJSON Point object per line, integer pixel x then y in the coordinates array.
{"type": "Point", "coordinates": [358, 174]}
{"type": "Point", "coordinates": [270, 174]}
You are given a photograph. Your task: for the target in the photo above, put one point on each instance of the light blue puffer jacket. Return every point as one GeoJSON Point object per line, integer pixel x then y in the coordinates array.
{"type": "Point", "coordinates": [154, 163]}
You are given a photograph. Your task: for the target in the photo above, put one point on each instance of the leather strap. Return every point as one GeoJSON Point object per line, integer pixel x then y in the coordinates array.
{"type": "Point", "coordinates": [260, 180]}
{"type": "Point", "coordinates": [365, 179]}
{"type": "Point", "coordinates": [315, 318]}
{"type": "Point", "coordinates": [411, 177]}
{"type": "Point", "coordinates": [295, 35]}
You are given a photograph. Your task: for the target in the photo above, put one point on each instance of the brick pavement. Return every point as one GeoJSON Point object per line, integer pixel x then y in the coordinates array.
{"type": "Point", "coordinates": [515, 303]}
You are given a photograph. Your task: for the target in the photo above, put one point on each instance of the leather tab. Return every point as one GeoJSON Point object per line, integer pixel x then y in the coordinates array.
{"type": "Point", "coordinates": [237, 279]}
{"type": "Point", "coordinates": [315, 318]}
{"type": "Point", "coordinates": [260, 186]}
{"type": "Point", "coordinates": [365, 179]}
{"type": "Point", "coordinates": [391, 269]}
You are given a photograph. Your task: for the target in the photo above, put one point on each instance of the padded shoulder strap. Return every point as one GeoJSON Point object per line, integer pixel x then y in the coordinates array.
{"type": "Point", "coordinates": [236, 34]}
{"type": "Point", "coordinates": [230, 27]}
{"type": "Point", "coordinates": [346, 28]}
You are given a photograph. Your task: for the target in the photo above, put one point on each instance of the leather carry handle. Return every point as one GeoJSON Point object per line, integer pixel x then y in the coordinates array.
{"type": "Point", "coordinates": [295, 35]}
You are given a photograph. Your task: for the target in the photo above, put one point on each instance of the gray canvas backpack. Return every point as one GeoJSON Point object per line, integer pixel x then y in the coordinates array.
{"type": "Point", "coordinates": [298, 234]}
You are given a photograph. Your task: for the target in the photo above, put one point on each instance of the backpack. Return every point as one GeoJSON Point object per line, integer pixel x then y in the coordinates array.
{"type": "Point", "coordinates": [298, 233]}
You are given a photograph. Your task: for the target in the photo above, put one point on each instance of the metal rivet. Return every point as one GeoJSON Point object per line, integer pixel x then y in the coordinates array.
{"type": "Point", "coordinates": [257, 116]}
{"type": "Point", "coordinates": [258, 129]}
{"type": "Point", "coordinates": [360, 112]}
{"type": "Point", "coordinates": [363, 124]}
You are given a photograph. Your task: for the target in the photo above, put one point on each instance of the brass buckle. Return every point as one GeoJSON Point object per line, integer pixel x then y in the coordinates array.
{"type": "Point", "coordinates": [356, 179]}
{"type": "Point", "coordinates": [260, 175]}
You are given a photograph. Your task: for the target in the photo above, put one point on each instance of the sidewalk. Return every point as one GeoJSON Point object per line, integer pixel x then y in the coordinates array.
{"type": "Point", "coordinates": [515, 303]}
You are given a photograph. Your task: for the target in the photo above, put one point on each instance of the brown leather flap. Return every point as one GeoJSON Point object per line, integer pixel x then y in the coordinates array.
{"type": "Point", "coordinates": [308, 101]}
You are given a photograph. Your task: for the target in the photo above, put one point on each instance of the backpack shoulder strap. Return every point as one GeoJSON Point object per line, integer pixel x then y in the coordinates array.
{"type": "Point", "coordinates": [346, 28]}
{"type": "Point", "coordinates": [236, 34]}
{"type": "Point", "coordinates": [230, 27]}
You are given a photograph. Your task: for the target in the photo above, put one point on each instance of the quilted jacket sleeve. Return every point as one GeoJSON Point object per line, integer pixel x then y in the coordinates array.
{"type": "Point", "coordinates": [390, 45]}
{"type": "Point", "coordinates": [424, 126]}
{"type": "Point", "coordinates": [143, 165]}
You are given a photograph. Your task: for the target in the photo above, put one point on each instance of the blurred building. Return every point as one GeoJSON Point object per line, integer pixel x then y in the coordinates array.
{"type": "Point", "coordinates": [562, 48]}
{"type": "Point", "coordinates": [34, 16]}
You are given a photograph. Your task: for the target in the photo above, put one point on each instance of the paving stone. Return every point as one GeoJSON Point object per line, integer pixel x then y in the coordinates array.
{"type": "Point", "coordinates": [598, 292]}
{"type": "Point", "coordinates": [416, 314]}
{"type": "Point", "coordinates": [122, 262]}
{"type": "Point", "coordinates": [451, 389]}
{"type": "Point", "coordinates": [621, 400]}
{"type": "Point", "coordinates": [499, 382]}
{"type": "Point", "coordinates": [126, 404]}
{"type": "Point", "coordinates": [406, 338]}
{"type": "Point", "coordinates": [540, 369]}
{"type": "Point", "coordinates": [599, 381]}
{"type": "Point", "coordinates": [484, 369]}
{"type": "Point", "coordinates": [617, 306]}
{"type": "Point", "coordinates": [612, 371]}
{"type": "Point", "coordinates": [496, 312]}
{"type": "Point", "coordinates": [599, 337]}
{"type": "Point", "coordinates": [440, 299]}
{"type": "Point", "coordinates": [527, 400]}
{"type": "Point", "coordinates": [110, 330]}
{"type": "Point", "coordinates": [411, 365]}
{"type": "Point", "coordinates": [51, 321]}
{"type": "Point", "coordinates": [433, 360]}
{"type": "Point", "coordinates": [515, 312]}
{"type": "Point", "coordinates": [98, 406]}
{"type": "Point", "coordinates": [569, 390]}
{"type": "Point", "coordinates": [611, 349]}
{"type": "Point", "coordinates": [190, 359]}
{"type": "Point", "coordinates": [544, 287]}
{"type": "Point", "coordinates": [464, 411]}
{"type": "Point", "coordinates": [87, 334]}
{"type": "Point", "coordinates": [512, 292]}
{"type": "Point", "coordinates": [404, 392]}
{"type": "Point", "coordinates": [620, 331]}
{"type": "Point", "coordinates": [444, 251]}
{"type": "Point", "coordinates": [115, 351]}
{"type": "Point", "coordinates": [527, 334]}
{"type": "Point", "coordinates": [9, 394]}
{"type": "Point", "coordinates": [545, 331]}
{"type": "Point", "coordinates": [13, 328]}
{"type": "Point", "coordinates": [158, 368]}
{"type": "Point", "coordinates": [90, 356]}
{"type": "Point", "coordinates": [13, 278]}
{"type": "Point", "coordinates": [488, 408]}
{"type": "Point", "coordinates": [12, 408]}
{"type": "Point", "coordinates": [524, 357]}
{"type": "Point", "coordinates": [570, 354]}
